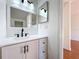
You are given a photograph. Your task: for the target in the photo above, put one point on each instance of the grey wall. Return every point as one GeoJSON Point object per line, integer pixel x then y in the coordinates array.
{"type": "Point", "coordinates": [54, 41]}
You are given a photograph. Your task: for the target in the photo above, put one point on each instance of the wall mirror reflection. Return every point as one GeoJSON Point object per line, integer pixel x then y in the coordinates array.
{"type": "Point", "coordinates": [20, 18]}
{"type": "Point", "coordinates": [43, 13]}
{"type": "Point", "coordinates": [22, 13]}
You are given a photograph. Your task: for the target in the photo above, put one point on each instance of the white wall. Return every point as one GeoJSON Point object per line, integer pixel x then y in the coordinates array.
{"type": "Point", "coordinates": [2, 18]}
{"type": "Point", "coordinates": [43, 28]}
{"type": "Point", "coordinates": [75, 20]}
{"type": "Point", "coordinates": [54, 30]}
{"type": "Point", "coordinates": [41, 2]}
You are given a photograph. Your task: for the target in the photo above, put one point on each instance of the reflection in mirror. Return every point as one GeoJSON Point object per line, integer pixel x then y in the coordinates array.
{"type": "Point", "coordinates": [22, 14]}
{"type": "Point", "coordinates": [20, 18]}
{"type": "Point", "coordinates": [43, 13]}
{"type": "Point", "coordinates": [28, 5]}
{"type": "Point", "coordinates": [18, 24]}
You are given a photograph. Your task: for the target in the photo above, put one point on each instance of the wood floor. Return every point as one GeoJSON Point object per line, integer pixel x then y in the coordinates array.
{"type": "Point", "coordinates": [75, 49]}
{"type": "Point", "coordinates": [67, 54]}
{"type": "Point", "coordinates": [74, 53]}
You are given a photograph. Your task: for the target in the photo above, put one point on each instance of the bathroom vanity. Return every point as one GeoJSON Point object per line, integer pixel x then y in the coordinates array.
{"type": "Point", "coordinates": [25, 49]}
{"type": "Point", "coordinates": [23, 41]}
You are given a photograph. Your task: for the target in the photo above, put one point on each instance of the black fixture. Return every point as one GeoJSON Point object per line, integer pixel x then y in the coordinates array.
{"type": "Point", "coordinates": [22, 32]}
{"type": "Point", "coordinates": [22, 1]}
{"type": "Point", "coordinates": [29, 2]}
{"type": "Point", "coordinates": [26, 49]}
{"type": "Point", "coordinates": [17, 35]}
{"type": "Point", "coordinates": [26, 34]}
{"type": "Point", "coordinates": [44, 10]}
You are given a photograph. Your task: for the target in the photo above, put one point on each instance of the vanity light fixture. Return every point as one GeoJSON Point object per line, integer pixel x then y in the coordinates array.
{"type": "Point", "coordinates": [22, 1]}
{"type": "Point", "coordinates": [44, 10]}
{"type": "Point", "coordinates": [29, 2]}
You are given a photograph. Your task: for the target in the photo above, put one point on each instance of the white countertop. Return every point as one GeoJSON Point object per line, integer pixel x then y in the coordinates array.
{"type": "Point", "coordinates": [12, 40]}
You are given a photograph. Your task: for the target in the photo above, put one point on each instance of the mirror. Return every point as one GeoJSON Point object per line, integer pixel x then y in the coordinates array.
{"type": "Point", "coordinates": [26, 13]}
{"type": "Point", "coordinates": [43, 13]}
{"type": "Point", "coordinates": [23, 13]}
{"type": "Point", "coordinates": [20, 18]}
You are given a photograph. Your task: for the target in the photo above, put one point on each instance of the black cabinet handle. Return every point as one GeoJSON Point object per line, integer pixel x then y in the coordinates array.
{"type": "Point", "coordinates": [24, 49]}
{"type": "Point", "coordinates": [27, 48]}
{"type": "Point", "coordinates": [43, 42]}
{"type": "Point", "coordinates": [43, 51]}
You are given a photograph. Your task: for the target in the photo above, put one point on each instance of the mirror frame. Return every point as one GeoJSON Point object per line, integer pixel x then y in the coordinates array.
{"type": "Point", "coordinates": [47, 2]}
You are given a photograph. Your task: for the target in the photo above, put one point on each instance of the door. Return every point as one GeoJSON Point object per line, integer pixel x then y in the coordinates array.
{"type": "Point", "coordinates": [32, 50]}
{"type": "Point", "coordinates": [13, 52]}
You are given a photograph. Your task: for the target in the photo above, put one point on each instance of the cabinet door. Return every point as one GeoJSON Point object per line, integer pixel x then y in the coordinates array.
{"type": "Point", "coordinates": [13, 52]}
{"type": "Point", "coordinates": [32, 50]}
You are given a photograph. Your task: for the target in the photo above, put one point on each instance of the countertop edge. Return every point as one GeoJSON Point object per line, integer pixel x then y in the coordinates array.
{"type": "Point", "coordinates": [4, 44]}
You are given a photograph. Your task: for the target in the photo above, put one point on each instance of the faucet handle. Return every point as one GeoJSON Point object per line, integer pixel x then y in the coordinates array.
{"type": "Point", "coordinates": [17, 35]}
{"type": "Point", "coordinates": [26, 34]}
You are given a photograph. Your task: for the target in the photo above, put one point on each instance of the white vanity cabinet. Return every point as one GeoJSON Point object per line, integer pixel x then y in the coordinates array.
{"type": "Point", "coordinates": [13, 51]}
{"type": "Point", "coordinates": [32, 50]}
{"type": "Point", "coordinates": [35, 49]}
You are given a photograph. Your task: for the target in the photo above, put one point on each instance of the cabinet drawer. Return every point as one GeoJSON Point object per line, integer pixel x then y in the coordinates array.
{"type": "Point", "coordinates": [43, 48]}
{"type": "Point", "coordinates": [43, 43]}
{"type": "Point", "coordinates": [43, 55]}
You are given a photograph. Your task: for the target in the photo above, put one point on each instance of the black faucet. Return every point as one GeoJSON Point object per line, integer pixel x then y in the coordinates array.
{"type": "Point", "coordinates": [22, 32]}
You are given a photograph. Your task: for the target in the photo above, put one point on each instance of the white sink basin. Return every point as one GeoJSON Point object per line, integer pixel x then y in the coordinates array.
{"type": "Point", "coordinates": [21, 38]}
{"type": "Point", "coordinates": [18, 38]}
